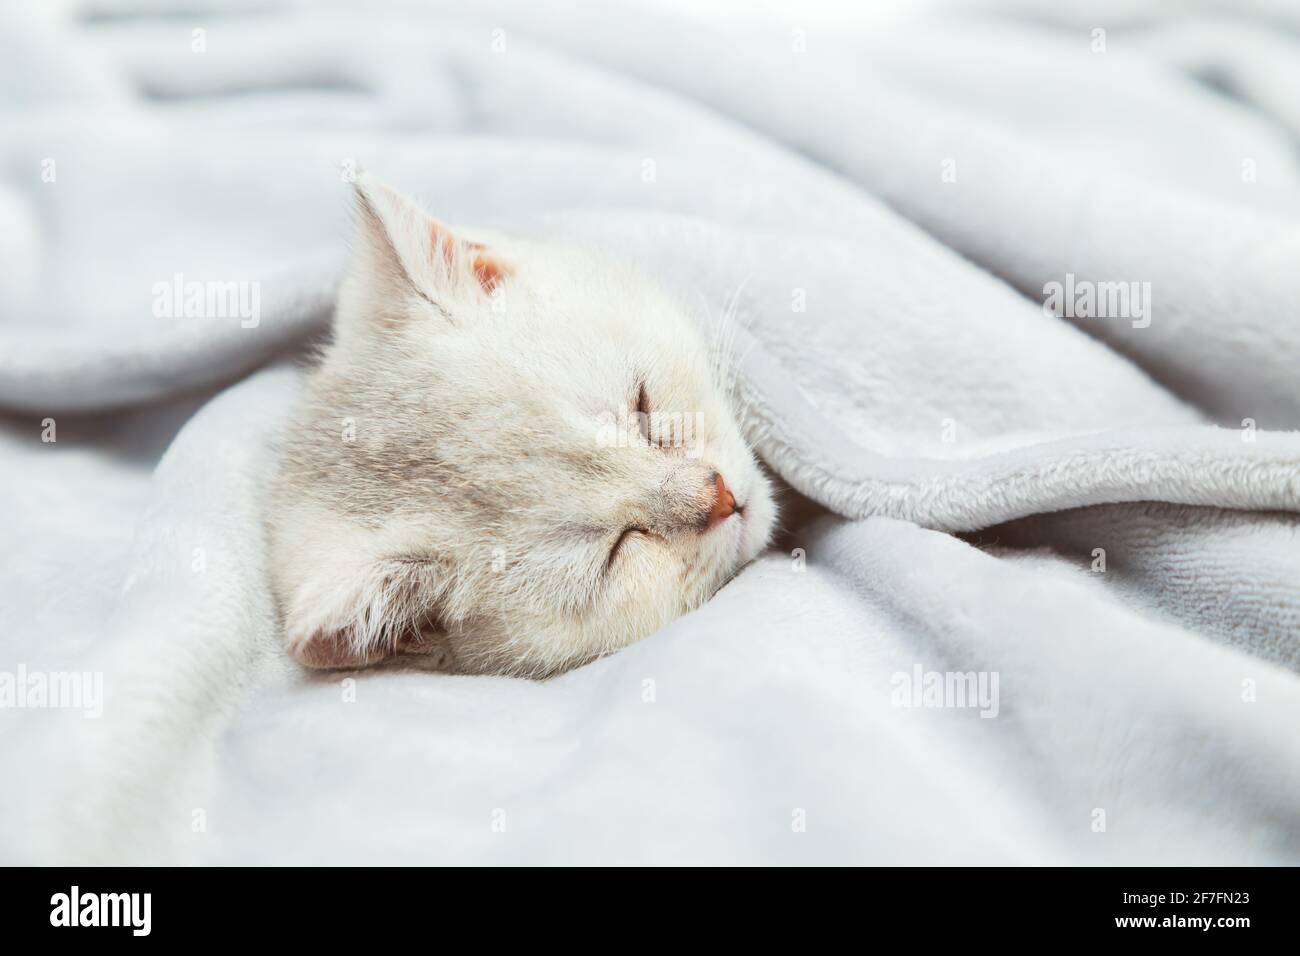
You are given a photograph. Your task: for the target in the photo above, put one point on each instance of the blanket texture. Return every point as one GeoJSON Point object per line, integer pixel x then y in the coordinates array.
{"type": "Point", "coordinates": [1011, 296]}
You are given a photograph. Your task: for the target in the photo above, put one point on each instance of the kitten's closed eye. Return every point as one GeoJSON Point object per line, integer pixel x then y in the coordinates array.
{"type": "Point", "coordinates": [627, 534]}
{"type": "Point", "coordinates": [657, 434]}
{"type": "Point", "coordinates": [643, 413]}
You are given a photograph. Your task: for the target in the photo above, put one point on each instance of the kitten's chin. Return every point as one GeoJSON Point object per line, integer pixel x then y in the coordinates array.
{"type": "Point", "coordinates": [751, 529]}
{"type": "Point", "coordinates": [757, 521]}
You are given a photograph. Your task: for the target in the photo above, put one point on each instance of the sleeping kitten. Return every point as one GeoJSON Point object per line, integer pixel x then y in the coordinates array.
{"type": "Point", "coordinates": [512, 454]}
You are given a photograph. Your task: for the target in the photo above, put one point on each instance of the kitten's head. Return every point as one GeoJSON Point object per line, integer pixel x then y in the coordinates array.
{"type": "Point", "coordinates": [517, 451]}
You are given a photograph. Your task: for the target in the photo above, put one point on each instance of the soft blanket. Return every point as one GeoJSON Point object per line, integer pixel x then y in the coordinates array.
{"type": "Point", "coordinates": [1010, 292]}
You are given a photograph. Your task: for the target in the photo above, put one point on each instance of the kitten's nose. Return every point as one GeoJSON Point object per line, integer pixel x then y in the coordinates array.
{"type": "Point", "coordinates": [724, 502]}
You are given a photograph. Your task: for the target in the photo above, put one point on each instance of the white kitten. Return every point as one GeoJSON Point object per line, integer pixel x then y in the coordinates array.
{"type": "Point", "coordinates": [512, 453]}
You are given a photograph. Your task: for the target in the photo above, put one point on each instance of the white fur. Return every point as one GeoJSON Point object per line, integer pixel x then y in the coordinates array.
{"type": "Point", "coordinates": [480, 494]}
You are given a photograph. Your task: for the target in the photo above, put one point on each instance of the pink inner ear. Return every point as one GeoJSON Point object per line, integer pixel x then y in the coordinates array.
{"type": "Point", "coordinates": [488, 269]}
{"type": "Point", "coordinates": [443, 242]}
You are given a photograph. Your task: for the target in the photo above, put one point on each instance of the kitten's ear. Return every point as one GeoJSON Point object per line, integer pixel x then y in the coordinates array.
{"type": "Point", "coordinates": [400, 245]}
{"type": "Point", "coordinates": [334, 622]}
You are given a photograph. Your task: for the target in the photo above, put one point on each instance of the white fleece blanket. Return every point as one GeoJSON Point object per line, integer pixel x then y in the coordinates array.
{"type": "Point", "coordinates": [1097, 516]}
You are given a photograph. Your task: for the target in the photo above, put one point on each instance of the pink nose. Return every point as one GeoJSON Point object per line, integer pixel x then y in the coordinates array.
{"type": "Point", "coordinates": [724, 503]}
